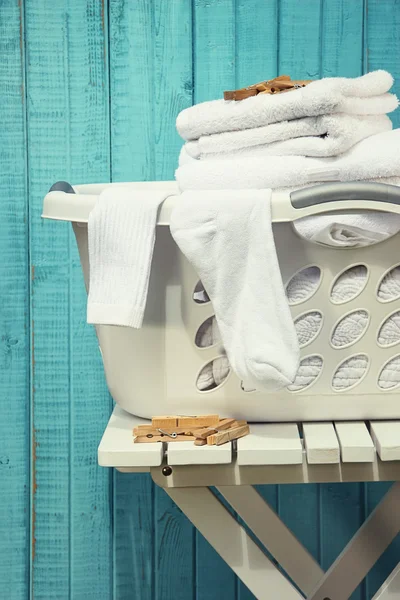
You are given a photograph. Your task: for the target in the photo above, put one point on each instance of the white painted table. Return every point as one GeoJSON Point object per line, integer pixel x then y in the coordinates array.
{"type": "Point", "coordinates": [273, 454]}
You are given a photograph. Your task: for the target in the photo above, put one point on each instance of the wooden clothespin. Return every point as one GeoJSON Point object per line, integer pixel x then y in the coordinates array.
{"type": "Point", "coordinates": [283, 83]}
{"type": "Point", "coordinates": [227, 430]}
{"type": "Point", "coordinates": [173, 429]}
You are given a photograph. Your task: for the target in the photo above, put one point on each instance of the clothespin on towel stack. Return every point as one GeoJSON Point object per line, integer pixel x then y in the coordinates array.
{"type": "Point", "coordinates": [280, 84]}
{"type": "Point", "coordinates": [203, 430]}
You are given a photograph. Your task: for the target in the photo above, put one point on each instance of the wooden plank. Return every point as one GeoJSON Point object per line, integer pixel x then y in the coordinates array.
{"type": "Point", "coordinates": [381, 33]}
{"type": "Point", "coordinates": [256, 47]}
{"type": "Point", "coordinates": [186, 453]}
{"type": "Point", "coordinates": [214, 54]}
{"type": "Point", "coordinates": [382, 22]}
{"type": "Point", "coordinates": [342, 51]}
{"type": "Point", "coordinates": [274, 535]}
{"type": "Point", "coordinates": [48, 147]}
{"type": "Point", "coordinates": [353, 564]}
{"type": "Point", "coordinates": [68, 139]}
{"type": "Point", "coordinates": [174, 535]}
{"type": "Point", "coordinates": [117, 448]}
{"type": "Point", "coordinates": [386, 436]}
{"type": "Point", "coordinates": [299, 39]}
{"type": "Point", "coordinates": [272, 444]}
{"type": "Point", "coordinates": [321, 443]}
{"type": "Point", "coordinates": [355, 442]}
{"type": "Point", "coordinates": [230, 540]}
{"type": "Point", "coordinates": [14, 314]}
{"type": "Point", "coordinates": [90, 486]}
{"type": "Point", "coordinates": [390, 590]}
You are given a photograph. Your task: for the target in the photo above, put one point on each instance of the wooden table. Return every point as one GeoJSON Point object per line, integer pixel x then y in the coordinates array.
{"type": "Point", "coordinates": [273, 454]}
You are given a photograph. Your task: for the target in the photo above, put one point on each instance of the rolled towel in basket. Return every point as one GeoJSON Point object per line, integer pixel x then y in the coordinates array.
{"type": "Point", "coordinates": [365, 95]}
{"type": "Point", "coordinates": [326, 135]}
{"type": "Point", "coordinates": [375, 157]}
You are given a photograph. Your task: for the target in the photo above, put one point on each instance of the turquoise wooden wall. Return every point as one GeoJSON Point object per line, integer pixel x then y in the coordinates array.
{"type": "Point", "coordinates": [89, 91]}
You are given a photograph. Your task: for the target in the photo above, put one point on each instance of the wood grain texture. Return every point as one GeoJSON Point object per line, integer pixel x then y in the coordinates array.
{"type": "Point", "coordinates": [91, 550]}
{"type": "Point", "coordinates": [382, 41]}
{"type": "Point", "coordinates": [68, 139]}
{"type": "Point", "coordinates": [14, 312]}
{"type": "Point", "coordinates": [256, 56]}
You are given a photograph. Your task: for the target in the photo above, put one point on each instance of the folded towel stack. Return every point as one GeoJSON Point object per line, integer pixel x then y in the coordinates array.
{"type": "Point", "coordinates": [335, 129]}
{"type": "Point", "coordinates": [285, 139]}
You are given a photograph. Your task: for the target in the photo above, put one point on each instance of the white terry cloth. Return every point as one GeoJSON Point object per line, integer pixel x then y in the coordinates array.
{"type": "Point", "coordinates": [348, 229]}
{"type": "Point", "coordinates": [227, 236]}
{"type": "Point", "coordinates": [122, 228]}
{"type": "Point", "coordinates": [365, 95]}
{"type": "Point", "coordinates": [375, 157]}
{"type": "Point", "coordinates": [326, 135]}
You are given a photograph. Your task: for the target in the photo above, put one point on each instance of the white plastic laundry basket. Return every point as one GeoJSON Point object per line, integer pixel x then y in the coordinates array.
{"type": "Point", "coordinates": [155, 370]}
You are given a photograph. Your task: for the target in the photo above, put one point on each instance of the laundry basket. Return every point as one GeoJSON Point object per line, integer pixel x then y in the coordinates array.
{"type": "Point", "coordinates": [155, 370]}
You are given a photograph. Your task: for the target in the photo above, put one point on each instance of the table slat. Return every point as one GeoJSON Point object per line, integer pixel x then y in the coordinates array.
{"type": "Point", "coordinates": [117, 449]}
{"type": "Point", "coordinates": [386, 436]}
{"type": "Point", "coordinates": [271, 444]}
{"type": "Point", "coordinates": [321, 443]}
{"type": "Point", "coordinates": [355, 442]}
{"type": "Point", "coordinates": [186, 453]}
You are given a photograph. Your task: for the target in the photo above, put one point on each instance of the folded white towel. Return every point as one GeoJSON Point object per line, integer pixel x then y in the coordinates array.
{"type": "Point", "coordinates": [375, 157]}
{"type": "Point", "coordinates": [326, 135]}
{"type": "Point", "coordinates": [365, 95]}
{"type": "Point", "coordinates": [227, 236]}
{"type": "Point", "coordinates": [121, 232]}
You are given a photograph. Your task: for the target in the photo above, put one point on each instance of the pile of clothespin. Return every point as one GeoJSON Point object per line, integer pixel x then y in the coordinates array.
{"type": "Point", "coordinates": [280, 84]}
{"type": "Point", "coordinates": [203, 430]}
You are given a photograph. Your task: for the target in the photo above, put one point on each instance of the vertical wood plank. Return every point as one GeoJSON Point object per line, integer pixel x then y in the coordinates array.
{"type": "Point", "coordinates": [300, 38]}
{"type": "Point", "coordinates": [68, 139]}
{"type": "Point", "coordinates": [14, 312]}
{"type": "Point", "coordinates": [213, 72]}
{"type": "Point", "coordinates": [342, 43]}
{"type": "Point", "coordinates": [175, 536]}
{"type": "Point", "coordinates": [299, 45]}
{"type": "Point", "coordinates": [91, 494]}
{"type": "Point", "coordinates": [383, 41]}
{"type": "Point", "coordinates": [256, 40]}
{"type": "Point", "coordinates": [389, 559]}
{"type": "Point", "coordinates": [382, 47]}
{"type": "Point", "coordinates": [132, 152]}
{"type": "Point", "coordinates": [213, 48]}
{"type": "Point", "coordinates": [48, 121]}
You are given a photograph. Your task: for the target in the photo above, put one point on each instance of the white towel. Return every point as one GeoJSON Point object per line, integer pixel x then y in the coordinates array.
{"type": "Point", "coordinates": [365, 95]}
{"type": "Point", "coordinates": [122, 229]}
{"type": "Point", "coordinates": [349, 230]}
{"type": "Point", "coordinates": [326, 135]}
{"type": "Point", "coordinates": [375, 157]}
{"type": "Point", "coordinates": [227, 236]}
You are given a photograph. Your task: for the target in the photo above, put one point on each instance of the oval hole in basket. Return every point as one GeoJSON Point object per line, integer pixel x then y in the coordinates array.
{"type": "Point", "coordinates": [309, 370]}
{"type": "Point", "coordinates": [389, 286]}
{"type": "Point", "coordinates": [308, 327]}
{"type": "Point", "coordinates": [350, 329]}
{"type": "Point", "coordinates": [349, 284]}
{"type": "Point", "coordinates": [200, 295]}
{"type": "Point", "coordinates": [389, 377]}
{"type": "Point", "coordinates": [389, 332]}
{"type": "Point", "coordinates": [350, 372]}
{"type": "Point", "coordinates": [207, 334]}
{"type": "Point", "coordinates": [213, 374]}
{"type": "Point", "coordinates": [303, 285]}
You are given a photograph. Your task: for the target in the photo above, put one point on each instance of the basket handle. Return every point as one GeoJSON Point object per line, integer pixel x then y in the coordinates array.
{"type": "Point", "coordinates": [354, 190]}
{"type": "Point", "coordinates": [62, 186]}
